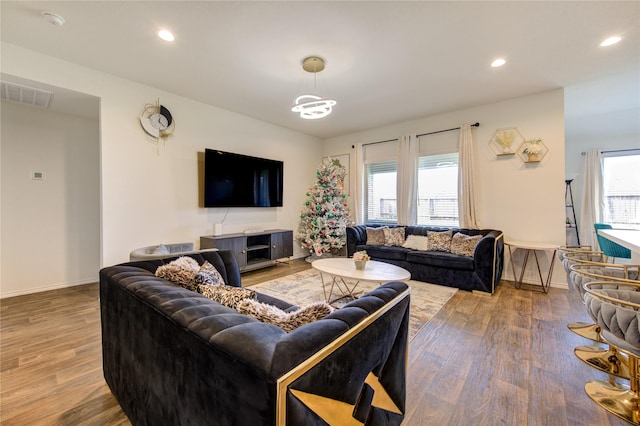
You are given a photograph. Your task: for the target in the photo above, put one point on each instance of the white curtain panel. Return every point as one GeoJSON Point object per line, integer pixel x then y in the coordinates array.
{"type": "Point", "coordinates": [407, 180]}
{"type": "Point", "coordinates": [359, 185]}
{"type": "Point", "coordinates": [466, 181]}
{"type": "Point", "coordinates": [593, 208]}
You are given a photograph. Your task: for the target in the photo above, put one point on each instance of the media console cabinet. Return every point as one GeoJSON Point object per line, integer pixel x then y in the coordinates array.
{"type": "Point", "coordinates": [255, 250]}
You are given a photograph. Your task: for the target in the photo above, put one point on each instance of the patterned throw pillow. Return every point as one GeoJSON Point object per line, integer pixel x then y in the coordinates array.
{"type": "Point", "coordinates": [181, 271]}
{"type": "Point", "coordinates": [393, 236]}
{"type": "Point", "coordinates": [226, 295]}
{"type": "Point", "coordinates": [208, 275]}
{"type": "Point", "coordinates": [375, 236]}
{"type": "Point", "coordinates": [464, 244]}
{"type": "Point", "coordinates": [439, 241]}
{"type": "Point", "coordinates": [416, 242]}
{"type": "Point", "coordinates": [288, 321]}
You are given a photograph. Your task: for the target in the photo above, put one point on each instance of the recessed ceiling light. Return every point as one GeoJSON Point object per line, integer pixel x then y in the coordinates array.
{"type": "Point", "coordinates": [610, 41]}
{"type": "Point", "coordinates": [498, 63]}
{"type": "Point", "coordinates": [54, 18]}
{"type": "Point", "coordinates": [166, 35]}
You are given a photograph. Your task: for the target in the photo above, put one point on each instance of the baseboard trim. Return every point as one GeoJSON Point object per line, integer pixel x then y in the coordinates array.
{"type": "Point", "coordinates": [49, 287]}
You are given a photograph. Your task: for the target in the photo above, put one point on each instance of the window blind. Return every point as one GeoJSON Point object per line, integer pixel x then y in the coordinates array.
{"type": "Point", "coordinates": [438, 190]}
{"type": "Point", "coordinates": [621, 183]}
{"type": "Point", "coordinates": [381, 192]}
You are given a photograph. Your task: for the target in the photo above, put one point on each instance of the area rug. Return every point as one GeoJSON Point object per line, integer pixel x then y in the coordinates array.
{"type": "Point", "coordinates": [305, 287]}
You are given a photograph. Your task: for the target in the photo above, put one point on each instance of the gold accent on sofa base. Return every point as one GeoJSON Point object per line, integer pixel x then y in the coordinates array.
{"type": "Point", "coordinates": [332, 411]}
{"type": "Point", "coordinates": [381, 398]}
{"type": "Point", "coordinates": [495, 254]}
{"type": "Point", "coordinates": [282, 386]}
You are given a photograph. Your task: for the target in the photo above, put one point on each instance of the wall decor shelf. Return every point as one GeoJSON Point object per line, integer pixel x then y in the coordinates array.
{"type": "Point", "coordinates": [532, 151]}
{"type": "Point", "coordinates": [504, 141]}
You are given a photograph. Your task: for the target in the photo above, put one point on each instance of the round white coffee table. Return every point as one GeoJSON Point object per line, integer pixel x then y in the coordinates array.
{"type": "Point", "coordinates": [341, 269]}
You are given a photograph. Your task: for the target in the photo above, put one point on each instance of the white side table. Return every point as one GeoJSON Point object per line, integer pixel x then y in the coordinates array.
{"type": "Point", "coordinates": [528, 248]}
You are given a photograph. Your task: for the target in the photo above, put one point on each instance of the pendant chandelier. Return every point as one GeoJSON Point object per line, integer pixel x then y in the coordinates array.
{"type": "Point", "coordinates": [312, 106]}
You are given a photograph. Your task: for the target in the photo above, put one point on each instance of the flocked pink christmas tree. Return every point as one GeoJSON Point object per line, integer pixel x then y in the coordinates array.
{"type": "Point", "coordinates": [325, 215]}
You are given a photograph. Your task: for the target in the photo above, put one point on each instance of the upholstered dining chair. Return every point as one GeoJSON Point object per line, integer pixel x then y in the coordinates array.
{"type": "Point", "coordinates": [606, 359]}
{"type": "Point", "coordinates": [563, 251]}
{"type": "Point", "coordinates": [570, 255]}
{"type": "Point", "coordinates": [617, 311]}
{"type": "Point", "coordinates": [608, 247]}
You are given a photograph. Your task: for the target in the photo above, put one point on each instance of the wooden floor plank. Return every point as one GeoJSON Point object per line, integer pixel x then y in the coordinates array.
{"type": "Point", "coordinates": [505, 359]}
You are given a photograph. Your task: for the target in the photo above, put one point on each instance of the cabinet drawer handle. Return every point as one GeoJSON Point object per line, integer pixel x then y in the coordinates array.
{"type": "Point", "coordinates": [273, 246]}
{"type": "Point", "coordinates": [243, 251]}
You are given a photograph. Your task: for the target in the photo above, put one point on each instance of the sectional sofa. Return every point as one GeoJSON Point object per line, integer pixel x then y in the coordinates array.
{"type": "Point", "coordinates": [481, 270]}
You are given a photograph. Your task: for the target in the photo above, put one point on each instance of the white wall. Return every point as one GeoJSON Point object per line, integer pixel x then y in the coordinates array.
{"type": "Point", "coordinates": [525, 201]}
{"type": "Point", "coordinates": [151, 196]}
{"type": "Point", "coordinates": [50, 227]}
{"type": "Point", "coordinates": [603, 115]}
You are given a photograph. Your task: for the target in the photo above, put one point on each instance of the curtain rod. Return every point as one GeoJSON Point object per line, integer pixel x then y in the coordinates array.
{"type": "Point", "coordinates": [476, 124]}
{"type": "Point", "coordinates": [608, 152]}
{"type": "Point", "coordinates": [375, 143]}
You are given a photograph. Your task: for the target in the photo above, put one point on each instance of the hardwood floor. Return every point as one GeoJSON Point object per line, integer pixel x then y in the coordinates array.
{"type": "Point", "coordinates": [500, 360]}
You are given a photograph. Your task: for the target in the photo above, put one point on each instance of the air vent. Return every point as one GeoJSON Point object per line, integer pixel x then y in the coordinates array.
{"type": "Point", "coordinates": [25, 95]}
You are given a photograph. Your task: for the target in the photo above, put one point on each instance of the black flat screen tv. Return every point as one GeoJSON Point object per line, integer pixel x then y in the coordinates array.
{"type": "Point", "coordinates": [235, 180]}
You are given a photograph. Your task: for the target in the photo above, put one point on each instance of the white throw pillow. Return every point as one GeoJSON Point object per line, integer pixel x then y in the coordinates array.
{"type": "Point", "coordinates": [416, 242]}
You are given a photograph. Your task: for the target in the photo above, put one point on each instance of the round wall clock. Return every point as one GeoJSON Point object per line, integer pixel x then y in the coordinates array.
{"type": "Point", "coordinates": [156, 121]}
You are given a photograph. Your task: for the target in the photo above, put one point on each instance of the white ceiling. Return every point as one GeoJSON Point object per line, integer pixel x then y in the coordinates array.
{"type": "Point", "coordinates": [386, 62]}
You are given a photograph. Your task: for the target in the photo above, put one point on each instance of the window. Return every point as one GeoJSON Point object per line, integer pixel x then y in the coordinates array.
{"type": "Point", "coordinates": [438, 190]}
{"type": "Point", "coordinates": [437, 181]}
{"type": "Point", "coordinates": [380, 191]}
{"type": "Point", "coordinates": [621, 182]}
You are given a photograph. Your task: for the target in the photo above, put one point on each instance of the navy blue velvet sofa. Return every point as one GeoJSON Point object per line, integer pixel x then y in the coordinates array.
{"type": "Point", "coordinates": [173, 357]}
{"type": "Point", "coordinates": [482, 272]}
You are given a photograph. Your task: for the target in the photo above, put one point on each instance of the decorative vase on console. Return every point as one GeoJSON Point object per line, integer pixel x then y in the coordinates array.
{"type": "Point", "coordinates": [360, 258]}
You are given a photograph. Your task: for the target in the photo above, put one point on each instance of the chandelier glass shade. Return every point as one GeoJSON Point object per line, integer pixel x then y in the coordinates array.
{"type": "Point", "coordinates": [311, 106]}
